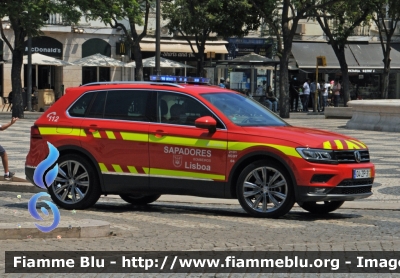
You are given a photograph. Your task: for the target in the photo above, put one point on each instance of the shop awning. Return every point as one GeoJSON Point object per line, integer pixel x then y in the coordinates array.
{"type": "Point", "coordinates": [182, 46]}
{"type": "Point", "coordinates": [305, 55]}
{"type": "Point", "coordinates": [358, 56]}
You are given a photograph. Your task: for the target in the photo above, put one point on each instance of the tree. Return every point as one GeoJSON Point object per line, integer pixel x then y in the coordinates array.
{"type": "Point", "coordinates": [386, 15]}
{"type": "Point", "coordinates": [26, 18]}
{"type": "Point", "coordinates": [282, 18]}
{"type": "Point", "coordinates": [346, 16]}
{"type": "Point", "coordinates": [196, 19]}
{"type": "Point", "coordinates": [114, 12]}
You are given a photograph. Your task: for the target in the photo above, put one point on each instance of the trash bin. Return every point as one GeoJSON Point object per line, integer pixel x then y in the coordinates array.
{"type": "Point", "coordinates": [46, 98]}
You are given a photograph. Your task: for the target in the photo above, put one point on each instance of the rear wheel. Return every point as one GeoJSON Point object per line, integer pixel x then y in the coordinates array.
{"type": "Point", "coordinates": [139, 200]}
{"type": "Point", "coordinates": [321, 208]}
{"type": "Point", "coordinates": [265, 189]}
{"type": "Point", "coordinates": [76, 185]}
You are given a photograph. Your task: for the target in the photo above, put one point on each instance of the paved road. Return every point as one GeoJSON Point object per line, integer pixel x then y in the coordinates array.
{"type": "Point", "coordinates": [200, 226]}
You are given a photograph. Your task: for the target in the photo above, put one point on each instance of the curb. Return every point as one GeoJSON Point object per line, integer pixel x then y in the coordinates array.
{"type": "Point", "coordinates": [19, 186]}
{"type": "Point", "coordinates": [85, 228]}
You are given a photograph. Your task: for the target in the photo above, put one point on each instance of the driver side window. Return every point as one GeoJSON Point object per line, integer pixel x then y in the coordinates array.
{"type": "Point", "coordinates": [179, 109]}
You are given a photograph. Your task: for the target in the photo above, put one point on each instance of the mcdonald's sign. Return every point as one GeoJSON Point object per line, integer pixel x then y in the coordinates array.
{"type": "Point", "coordinates": [120, 48]}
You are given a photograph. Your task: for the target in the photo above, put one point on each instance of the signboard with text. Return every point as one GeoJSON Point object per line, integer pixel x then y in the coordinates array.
{"type": "Point", "coordinates": [239, 47]}
{"type": "Point", "coordinates": [46, 46]}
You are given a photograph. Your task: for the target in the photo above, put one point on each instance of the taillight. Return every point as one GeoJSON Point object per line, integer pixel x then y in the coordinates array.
{"type": "Point", "coordinates": [35, 133]}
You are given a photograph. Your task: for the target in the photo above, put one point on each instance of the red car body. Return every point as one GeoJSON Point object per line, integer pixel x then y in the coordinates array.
{"type": "Point", "coordinates": [205, 150]}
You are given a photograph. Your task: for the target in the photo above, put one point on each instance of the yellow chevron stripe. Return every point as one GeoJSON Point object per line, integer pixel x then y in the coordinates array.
{"type": "Point", "coordinates": [189, 142]}
{"type": "Point", "coordinates": [132, 169]}
{"type": "Point", "coordinates": [62, 131]}
{"type": "Point", "coordinates": [327, 145]}
{"type": "Point", "coordinates": [175, 173]}
{"type": "Point", "coordinates": [96, 134]}
{"type": "Point", "coordinates": [110, 134]}
{"type": "Point", "coordinates": [240, 146]}
{"type": "Point", "coordinates": [117, 168]}
{"type": "Point", "coordinates": [351, 145]}
{"type": "Point", "coordinates": [360, 143]}
{"type": "Point", "coordinates": [103, 167]}
{"type": "Point", "coordinates": [130, 136]}
{"type": "Point", "coordinates": [339, 144]}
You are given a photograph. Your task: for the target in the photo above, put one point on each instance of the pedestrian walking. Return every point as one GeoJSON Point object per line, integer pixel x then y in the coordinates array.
{"type": "Point", "coordinates": [222, 83]}
{"type": "Point", "coordinates": [4, 157]}
{"type": "Point", "coordinates": [325, 87]}
{"type": "Point", "coordinates": [336, 92]}
{"type": "Point", "coordinates": [306, 94]}
{"type": "Point", "coordinates": [314, 89]}
{"type": "Point", "coordinates": [294, 97]}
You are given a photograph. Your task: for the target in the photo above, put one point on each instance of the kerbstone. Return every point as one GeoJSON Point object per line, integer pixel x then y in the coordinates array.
{"type": "Point", "coordinates": [338, 112]}
{"type": "Point", "coordinates": [378, 115]}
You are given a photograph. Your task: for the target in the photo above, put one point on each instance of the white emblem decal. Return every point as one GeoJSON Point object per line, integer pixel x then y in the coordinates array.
{"type": "Point", "coordinates": [177, 160]}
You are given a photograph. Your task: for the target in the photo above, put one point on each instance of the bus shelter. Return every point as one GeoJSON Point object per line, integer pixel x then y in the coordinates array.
{"type": "Point", "coordinates": [249, 71]}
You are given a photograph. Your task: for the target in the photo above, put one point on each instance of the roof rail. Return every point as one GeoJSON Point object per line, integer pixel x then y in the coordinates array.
{"type": "Point", "coordinates": [132, 82]}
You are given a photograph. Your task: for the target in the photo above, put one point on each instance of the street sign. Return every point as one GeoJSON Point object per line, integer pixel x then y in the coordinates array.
{"type": "Point", "coordinates": [321, 61]}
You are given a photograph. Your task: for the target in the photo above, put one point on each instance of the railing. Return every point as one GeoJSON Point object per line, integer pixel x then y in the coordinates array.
{"type": "Point", "coordinates": [56, 19]}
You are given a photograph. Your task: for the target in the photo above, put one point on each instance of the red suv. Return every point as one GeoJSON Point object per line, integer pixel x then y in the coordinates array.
{"type": "Point", "coordinates": [144, 139]}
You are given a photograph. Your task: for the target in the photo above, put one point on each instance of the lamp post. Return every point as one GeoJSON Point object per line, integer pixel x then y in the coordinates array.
{"type": "Point", "coordinates": [29, 89]}
{"type": "Point", "coordinates": [158, 35]}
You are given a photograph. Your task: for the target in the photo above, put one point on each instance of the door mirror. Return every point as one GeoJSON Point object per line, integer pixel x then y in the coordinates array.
{"type": "Point", "coordinates": [206, 122]}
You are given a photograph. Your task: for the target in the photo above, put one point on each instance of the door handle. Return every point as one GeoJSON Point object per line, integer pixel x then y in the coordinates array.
{"type": "Point", "coordinates": [159, 133]}
{"type": "Point", "coordinates": [92, 128]}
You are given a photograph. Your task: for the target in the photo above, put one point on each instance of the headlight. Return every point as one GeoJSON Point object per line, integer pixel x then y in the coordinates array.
{"type": "Point", "coordinates": [317, 155]}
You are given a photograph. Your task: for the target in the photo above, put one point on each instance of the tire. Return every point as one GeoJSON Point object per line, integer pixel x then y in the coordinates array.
{"type": "Point", "coordinates": [326, 207]}
{"type": "Point", "coordinates": [265, 189]}
{"type": "Point", "coordinates": [76, 185]}
{"type": "Point", "coordinates": [139, 200]}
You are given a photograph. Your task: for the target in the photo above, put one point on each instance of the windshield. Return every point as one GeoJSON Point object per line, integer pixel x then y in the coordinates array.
{"type": "Point", "coordinates": [242, 110]}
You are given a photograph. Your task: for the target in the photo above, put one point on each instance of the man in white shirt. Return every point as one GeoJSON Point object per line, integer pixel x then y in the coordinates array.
{"type": "Point", "coordinates": [306, 94]}
{"type": "Point", "coordinates": [315, 88]}
{"type": "Point", "coordinates": [325, 92]}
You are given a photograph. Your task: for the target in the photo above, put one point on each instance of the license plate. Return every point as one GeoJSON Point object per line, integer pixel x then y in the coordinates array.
{"type": "Point", "coordinates": [361, 173]}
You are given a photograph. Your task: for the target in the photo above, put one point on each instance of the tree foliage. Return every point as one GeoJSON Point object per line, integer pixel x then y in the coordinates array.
{"type": "Point", "coordinates": [114, 12]}
{"type": "Point", "coordinates": [386, 14]}
{"type": "Point", "coordinates": [282, 18]}
{"type": "Point", "coordinates": [338, 22]}
{"type": "Point", "coordinates": [197, 20]}
{"type": "Point", "coordinates": [27, 18]}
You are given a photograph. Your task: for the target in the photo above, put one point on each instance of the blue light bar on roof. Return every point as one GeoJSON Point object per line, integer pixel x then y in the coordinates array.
{"type": "Point", "coordinates": [179, 79]}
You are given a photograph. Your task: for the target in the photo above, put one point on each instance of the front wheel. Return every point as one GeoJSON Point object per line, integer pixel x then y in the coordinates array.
{"type": "Point", "coordinates": [76, 185]}
{"type": "Point", "coordinates": [321, 208]}
{"type": "Point", "coordinates": [139, 200]}
{"type": "Point", "coordinates": [265, 189]}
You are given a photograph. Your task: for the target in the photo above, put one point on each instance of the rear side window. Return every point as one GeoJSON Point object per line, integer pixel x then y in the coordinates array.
{"type": "Point", "coordinates": [79, 108]}
{"type": "Point", "coordinates": [97, 108]}
{"type": "Point", "coordinates": [127, 105]}
{"type": "Point", "coordinates": [120, 105]}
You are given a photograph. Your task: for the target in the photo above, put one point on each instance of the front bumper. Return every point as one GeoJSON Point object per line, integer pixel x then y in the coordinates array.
{"type": "Point", "coordinates": [347, 190]}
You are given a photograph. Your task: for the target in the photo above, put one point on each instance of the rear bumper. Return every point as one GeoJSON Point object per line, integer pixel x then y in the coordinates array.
{"type": "Point", "coordinates": [29, 170]}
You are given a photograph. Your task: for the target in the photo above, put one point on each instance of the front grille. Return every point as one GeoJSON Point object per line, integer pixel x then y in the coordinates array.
{"type": "Point", "coordinates": [351, 190]}
{"type": "Point", "coordinates": [352, 182]}
{"type": "Point", "coordinates": [348, 156]}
